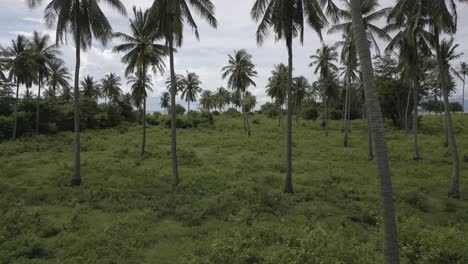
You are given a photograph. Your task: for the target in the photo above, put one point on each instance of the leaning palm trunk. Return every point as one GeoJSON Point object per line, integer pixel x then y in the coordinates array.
{"type": "Point", "coordinates": [415, 116]}
{"type": "Point", "coordinates": [288, 188]}
{"type": "Point", "coordinates": [15, 110]}
{"type": "Point", "coordinates": [76, 178]}
{"type": "Point", "coordinates": [175, 169]}
{"type": "Point", "coordinates": [38, 99]}
{"type": "Point", "coordinates": [391, 251]}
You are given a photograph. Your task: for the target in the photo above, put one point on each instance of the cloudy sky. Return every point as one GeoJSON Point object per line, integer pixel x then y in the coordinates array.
{"type": "Point", "coordinates": [206, 57]}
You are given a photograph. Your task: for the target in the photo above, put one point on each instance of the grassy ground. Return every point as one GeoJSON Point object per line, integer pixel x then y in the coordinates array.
{"type": "Point", "coordinates": [230, 207]}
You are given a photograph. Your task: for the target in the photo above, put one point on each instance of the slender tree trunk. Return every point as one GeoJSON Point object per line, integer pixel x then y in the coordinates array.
{"type": "Point", "coordinates": [346, 115]}
{"type": "Point", "coordinates": [244, 117]}
{"type": "Point", "coordinates": [76, 179]}
{"type": "Point", "coordinates": [38, 99]}
{"type": "Point", "coordinates": [408, 100]}
{"type": "Point", "coordinates": [175, 169]}
{"type": "Point", "coordinates": [415, 116]}
{"type": "Point", "coordinates": [15, 110]}
{"type": "Point", "coordinates": [188, 106]}
{"type": "Point", "coordinates": [143, 142]}
{"type": "Point", "coordinates": [288, 188]}
{"type": "Point", "coordinates": [463, 100]}
{"type": "Point", "coordinates": [454, 190]}
{"type": "Point", "coordinates": [370, 147]}
{"type": "Point", "coordinates": [327, 117]}
{"type": "Point", "coordinates": [391, 250]}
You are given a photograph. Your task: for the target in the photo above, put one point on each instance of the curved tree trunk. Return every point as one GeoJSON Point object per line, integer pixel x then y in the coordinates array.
{"type": "Point", "coordinates": [38, 99]}
{"type": "Point", "coordinates": [415, 116]}
{"type": "Point", "coordinates": [391, 250]}
{"type": "Point", "coordinates": [15, 110]}
{"type": "Point", "coordinates": [288, 188]}
{"type": "Point", "coordinates": [76, 178]}
{"type": "Point", "coordinates": [175, 169]}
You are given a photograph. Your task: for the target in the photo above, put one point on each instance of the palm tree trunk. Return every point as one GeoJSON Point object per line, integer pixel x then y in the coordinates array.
{"type": "Point", "coordinates": [415, 115]}
{"type": "Point", "coordinates": [76, 178]}
{"type": "Point", "coordinates": [15, 110]}
{"type": "Point", "coordinates": [143, 143]}
{"type": "Point", "coordinates": [175, 169]}
{"type": "Point", "coordinates": [370, 148]}
{"type": "Point", "coordinates": [288, 188]}
{"type": "Point", "coordinates": [454, 190]}
{"type": "Point", "coordinates": [463, 100]}
{"type": "Point", "coordinates": [391, 250]}
{"type": "Point", "coordinates": [327, 117]}
{"type": "Point", "coordinates": [346, 115]}
{"type": "Point", "coordinates": [38, 99]}
{"type": "Point", "coordinates": [408, 100]}
{"type": "Point", "coordinates": [188, 106]}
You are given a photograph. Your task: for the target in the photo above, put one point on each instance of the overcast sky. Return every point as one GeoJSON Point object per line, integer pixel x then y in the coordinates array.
{"type": "Point", "coordinates": [206, 57]}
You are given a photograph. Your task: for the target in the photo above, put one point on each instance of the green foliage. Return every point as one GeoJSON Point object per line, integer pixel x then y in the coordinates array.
{"type": "Point", "coordinates": [270, 110]}
{"type": "Point", "coordinates": [310, 113]}
{"type": "Point", "coordinates": [153, 119]}
{"type": "Point", "coordinates": [180, 110]}
{"type": "Point", "coordinates": [232, 112]}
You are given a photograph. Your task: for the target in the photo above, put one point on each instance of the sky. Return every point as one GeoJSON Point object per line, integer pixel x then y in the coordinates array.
{"type": "Point", "coordinates": [236, 30]}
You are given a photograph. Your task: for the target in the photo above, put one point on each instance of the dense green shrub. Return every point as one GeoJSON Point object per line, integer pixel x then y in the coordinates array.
{"type": "Point", "coordinates": [153, 119]}
{"type": "Point", "coordinates": [270, 110]}
{"type": "Point", "coordinates": [180, 110]}
{"type": "Point", "coordinates": [232, 112]}
{"type": "Point", "coordinates": [310, 113]}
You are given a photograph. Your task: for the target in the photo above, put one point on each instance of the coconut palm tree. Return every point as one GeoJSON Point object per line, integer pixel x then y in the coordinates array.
{"type": "Point", "coordinates": [43, 55]}
{"type": "Point", "coordinates": [286, 18]}
{"type": "Point", "coordinates": [59, 77]}
{"type": "Point", "coordinates": [324, 61]}
{"type": "Point", "coordinates": [190, 88]}
{"type": "Point", "coordinates": [84, 21]}
{"type": "Point", "coordinates": [463, 71]}
{"type": "Point", "coordinates": [240, 72]}
{"type": "Point", "coordinates": [170, 17]}
{"type": "Point", "coordinates": [250, 101]}
{"type": "Point", "coordinates": [225, 94]}
{"type": "Point", "coordinates": [207, 100]}
{"type": "Point", "coordinates": [391, 250]}
{"type": "Point", "coordinates": [412, 40]}
{"type": "Point", "coordinates": [111, 87]}
{"type": "Point", "coordinates": [21, 65]}
{"type": "Point", "coordinates": [140, 84]}
{"type": "Point", "coordinates": [90, 88]}
{"type": "Point", "coordinates": [277, 87]}
{"type": "Point", "coordinates": [301, 88]}
{"type": "Point", "coordinates": [165, 100]}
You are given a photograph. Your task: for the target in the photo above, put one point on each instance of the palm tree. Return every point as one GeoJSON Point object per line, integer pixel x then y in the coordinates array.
{"type": "Point", "coordinates": [207, 100]}
{"type": "Point", "coordinates": [59, 77]}
{"type": "Point", "coordinates": [250, 101]}
{"type": "Point", "coordinates": [170, 16]}
{"type": "Point", "coordinates": [391, 250]}
{"type": "Point", "coordinates": [21, 66]}
{"type": "Point", "coordinates": [442, 17]}
{"type": "Point", "coordinates": [190, 87]}
{"type": "Point", "coordinates": [140, 85]}
{"type": "Point", "coordinates": [142, 52]}
{"type": "Point", "coordinates": [277, 87]}
{"type": "Point", "coordinates": [225, 94]}
{"type": "Point", "coordinates": [84, 21]}
{"type": "Point", "coordinates": [412, 39]}
{"type": "Point", "coordinates": [165, 100]}
{"type": "Point", "coordinates": [240, 71]}
{"type": "Point", "coordinates": [111, 87]}
{"type": "Point", "coordinates": [324, 61]}
{"type": "Point", "coordinates": [286, 18]}
{"type": "Point", "coordinates": [301, 89]}
{"type": "Point", "coordinates": [463, 71]}
{"type": "Point", "coordinates": [43, 55]}
{"type": "Point", "coordinates": [90, 88]}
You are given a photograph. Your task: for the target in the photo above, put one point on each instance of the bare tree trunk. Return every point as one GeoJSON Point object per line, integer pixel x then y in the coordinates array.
{"type": "Point", "coordinates": [38, 99]}
{"type": "Point", "coordinates": [327, 117]}
{"type": "Point", "coordinates": [188, 106]}
{"type": "Point", "coordinates": [446, 133]}
{"type": "Point", "coordinates": [415, 116]}
{"type": "Point", "coordinates": [76, 179]}
{"type": "Point", "coordinates": [15, 110]}
{"type": "Point", "coordinates": [370, 147]}
{"type": "Point", "coordinates": [245, 115]}
{"type": "Point", "coordinates": [346, 115]}
{"type": "Point", "coordinates": [288, 188]}
{"type": "Point", "coordinates": [463, 100]}
{"type": "Point", "coordinates": [407, 112]}
{"type": "Point", "coordinates": [175, 169]}
{"type": "Point", "coordinates": [391, 250]}
{"type": "Point", "coordinates": [143, 143]}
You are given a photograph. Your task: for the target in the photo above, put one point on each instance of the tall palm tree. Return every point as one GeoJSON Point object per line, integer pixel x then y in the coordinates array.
{"type": "Point", "coordinates": [84, 20]}
{"type": "Point", "coordinates": [301, 89]}
{"type": "Point", "coordinates": [43, 55]}
{"type": "Point", "coordinates": [324, 61]}
{"type": "Point", "coordinates": [442, 17]}
{"type": "Point", "coordinates": [413, 41]}
{"type": "Point", "coordinates": [141, 53]}
{"type": "Point", "coordinates": [391, 250]}
{"type": "Point", "coordinates": [225, 94]}
{"type": "Point", "coordinates": [190, 87]}
{"type": "Point", "coordinates": [463, 71]}
{"type": "Point", "coordinates": [286, 18]}
{"type": "Point", "coordinates": [140, 85]}
{"type": "Point", "coordinates": [240, 72]}
{"type": "Point", "coordinates": [111, 87]}
{"type": "Point", "coordinates": [59, 77]}
{"type": "Point", "coordinates": [90, 88]}
{"type": "Point", "coordinates": [165, 100]}
{"type": "Point", "coordinates": [170, 17]}
{"type": "Point", "coordinates": [277, 87]}
{"type": "Point", "coordinates": [207, 100]}
{"type": "Point", "coordinates": [19, 61]}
